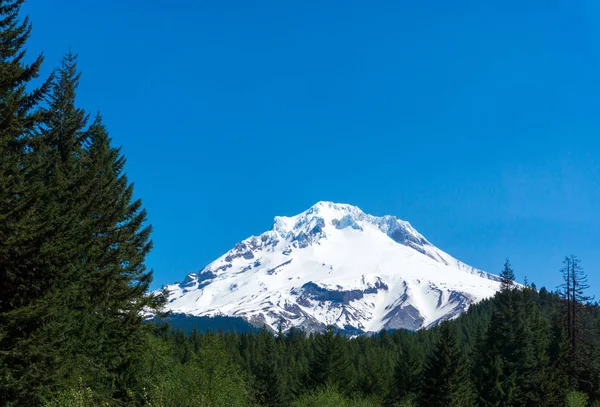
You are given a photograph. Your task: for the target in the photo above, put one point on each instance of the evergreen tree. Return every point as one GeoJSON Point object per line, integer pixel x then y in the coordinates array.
{"type": "Point", "coordinates": [507, 277]}
{"type": "Point", "coordinates": [371, 378]}
{"type": "Point", "coordinates": [330, 365]}
{"type": "Point", "coordinates": [407, 375]}
{"type": "Point", "coordinates": [297, 350]}
{"type": "Point", "coordinates": [511, 366]}
{"type": "Point", "coordinates": [64, 241]}
{"type": "Point", "coordinates": [20, 117]}
{"type": "Point", "coordinates": [533, 374]}
{"type": "Point", "coordinates": [23, 278]}
{"type": "Point", "coordinates": [116, 280]}
{"type": "Point", "coordinates": [269, 377]}
{"type": "Point", "coordinates": [75, 264]}
{"type": "Point", "coordinates": [572, 292]}
{"type": "Point", "coordinates": [558, 353]}
{"type": "Point", "coordinates": [446, 381]}
{"type": "Point", "coordinates": [495, 364]}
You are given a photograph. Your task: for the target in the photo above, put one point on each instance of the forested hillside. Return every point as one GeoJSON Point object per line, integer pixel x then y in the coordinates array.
{"type": "Point", "coordinates": [73, 285]}
{"type": "Point", "coordinates": [513, 350]}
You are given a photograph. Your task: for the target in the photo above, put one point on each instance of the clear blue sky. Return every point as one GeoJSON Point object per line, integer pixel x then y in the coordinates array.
{"type": "Point", "coordinates": [479, 123]}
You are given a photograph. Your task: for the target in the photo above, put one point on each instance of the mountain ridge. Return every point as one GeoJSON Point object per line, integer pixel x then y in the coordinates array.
{"type": "Point", "coordinates": [333, 264]}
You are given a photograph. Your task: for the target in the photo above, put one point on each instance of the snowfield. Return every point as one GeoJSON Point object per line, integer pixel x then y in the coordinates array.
{"type": "Point", "coordinates": [334, 265]}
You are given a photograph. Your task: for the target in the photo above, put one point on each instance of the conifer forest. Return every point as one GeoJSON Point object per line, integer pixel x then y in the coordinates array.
{"type": "Point", "coordinates": [74, 289]}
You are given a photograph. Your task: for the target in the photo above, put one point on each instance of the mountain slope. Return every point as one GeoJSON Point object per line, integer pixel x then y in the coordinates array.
{"type": "Point", "coordinates": [334, 264]}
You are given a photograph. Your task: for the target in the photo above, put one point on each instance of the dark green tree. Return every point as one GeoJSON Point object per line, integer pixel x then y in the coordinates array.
{"type": "Point", "coordinates": [407, 375]}
{"type": "Point", "coordinates": [558, 353]}
{"type": "Point", "coordinates": [446, 381]}
{"type": "Point", "coordinates": [63, 242]}
{"type": "Point", "coordinates": [115, 280]}
{"type": "Point", "coordinates": [572, 292]}
{"type": "Point", "coordinates": [23, 278]}
{"type": "Point", "coordinates": [507, 277]}
{"type": "Point", "coordinates": [533, 374]}
{"type": "Point", "coordinates": [494, 368]}
{"type": "Point", "coordinates": [371, 379]}
{"type": "Point", "coordinates": [75, 264]}
{"type": "Point", "coordinates": [330, 364]}
{"type": "Point", "coordinates": [20, 117]}
{"type": "Point", "coordinates": [511, 365]}
{"type": "Point", "coordinates": [269, 377]}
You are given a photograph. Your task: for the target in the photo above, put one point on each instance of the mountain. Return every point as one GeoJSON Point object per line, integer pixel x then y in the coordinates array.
{"type": "Point", "coordinates": [334, 265]}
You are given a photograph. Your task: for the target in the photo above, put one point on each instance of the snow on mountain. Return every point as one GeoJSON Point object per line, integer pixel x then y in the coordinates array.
{"type": "Point", "coordinates": [334, 265]}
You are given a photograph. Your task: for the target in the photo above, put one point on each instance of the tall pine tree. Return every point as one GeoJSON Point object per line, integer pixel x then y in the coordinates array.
{"type": "Point", "coordinates": [494, 370]}
{"type": "Point", "coordinates": [407, 375]}
{"type": "Point", "coordinates": [583, 368]}
{"type": "Point", "coordinates": [72, 239]}
{"type": "Point", "coordinates": [446, 381]}
{"type": "Point", "coordinates": [511, 366]}
{"type": "Point", "coordinates": [115, 279]}
{"type": "Point", "coordinates": [269, 376]}
{"type": "Point", "coordinates": [533, 373]}
{"type": "Point", "coordinates": [63, 242]}
{"type": "Point", "coordinates": [23, 278]}
{"type": "Point", "coordinates": [330, 364]}
{"type": "Point", "coordinates": [507, 277]}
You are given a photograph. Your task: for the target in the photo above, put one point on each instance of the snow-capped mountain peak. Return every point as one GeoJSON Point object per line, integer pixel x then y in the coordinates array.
{"type": "Point", "coordinates": [334, 264]}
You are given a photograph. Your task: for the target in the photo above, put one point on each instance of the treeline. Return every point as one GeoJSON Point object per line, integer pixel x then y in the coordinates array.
{"type": "Point", "coordinates": [73, 288]}
{"type": "Point", "coordinates": [524, 347]}
{"type": "Point", "coordinates": [513, 350]}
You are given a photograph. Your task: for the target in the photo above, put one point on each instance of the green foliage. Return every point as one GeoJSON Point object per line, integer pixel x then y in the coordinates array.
{"type": "Point", "coordinates": [507, 277]}
{"type": "Point", "coordinates": [581, 364]}
{"type": "Point", "coordinates": [78, 397]}
{"type": "Point", "coordinates": [576, 399]}
{"type": "Point", "coordinates": [73, 398]}
{"type": "Point", "coordinates": [511, 360]}
{"type": "Point", "coordinates": [385, 367]}
{"type": "Point", "coordinates": [24, 275]}
{"type": "Point", "coordinates": [331, 397]}
{"type": "Point", "coordinates": [270, 391]}
{"type": "Point", "coordinates": [446, 381]}
{"type": "Point", "coordinates": [407, 376]}
{"type": "Point", "coordinates": [325, 397]}
{"type": "Point", "coordinates": [207, 378]}
{"type": "Point", "coordinates": [72, 239]}
{"type": "Point", "coordinates": [408, 401]}
{"type": "Point", "coordinates": [330, 364]}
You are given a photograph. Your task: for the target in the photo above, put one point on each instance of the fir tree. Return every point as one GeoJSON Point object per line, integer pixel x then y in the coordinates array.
{"type": "Point", "coordinates": [572, 292]}
{"type": "Point", "coordinates": [533, 374]}
{"type": "Point", "coordinates": [407, 375]}
{"type": "Point", "coordinates": [446, 381]}
{"type": "Point", "coordinates": [63, 244]}
{"type": "Point", "coordinates": [116, 279]}
{"type": "Point", "coordinates": [495, 363]}
{"type": "Point", "coordinates": [22, 276]}
{"type": "Point", "coordinates": [511, 365]}
{"type": "Point", "coordinates": [330, 365]}
{"type": "Point", "coordinates": [558, 353]}
{"type": "Point", "coordinates": [20, 117]}
{"type": "Point", "coordinates": [371, 378]}
{"type": "Point", "coordinates": [269, 377]}
{"type": "Point", "coordinates": [85, 239]}
{"type": "Point", "coordinates": [507, 277]}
